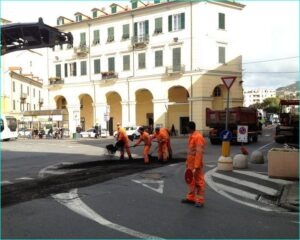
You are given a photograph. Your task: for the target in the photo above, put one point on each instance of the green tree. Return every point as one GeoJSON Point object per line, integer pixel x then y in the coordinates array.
{"type": "Point", "coordinates": [271, 105]}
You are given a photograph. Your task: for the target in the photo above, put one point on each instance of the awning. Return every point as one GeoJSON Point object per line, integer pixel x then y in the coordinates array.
{"type": "Point", "coordinates": [46, 112]}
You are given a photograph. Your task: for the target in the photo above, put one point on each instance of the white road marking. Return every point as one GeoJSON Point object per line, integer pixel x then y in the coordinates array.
{"type": "Point", "coordinates": [237, 191]}
{"type": "Point", "coordinates": [210, 165]}
{"type": "Point", "coordinates": [210, 182]}
{"type": "Point", "coordinates": [6, 182]}
{"type": "Point", "coordinates": [24, 178]}
{"type": "Point", "coordinates": [264, 189]}
{"type": "Point", "coordinates": [159, 189]}
{"type": "Point", "coordinates": [262, 147]}
{"type": "Point", "coordinates": [264, 177]}
{"type": "Point", "coordinates": [72, 201]}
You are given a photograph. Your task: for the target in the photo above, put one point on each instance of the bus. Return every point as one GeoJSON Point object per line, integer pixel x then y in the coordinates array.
{"type": "Point", "coordinates": [8, 127]}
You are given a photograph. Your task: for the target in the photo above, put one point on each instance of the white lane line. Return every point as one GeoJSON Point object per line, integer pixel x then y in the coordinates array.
{"type": "Point", "coordinates": [262, 147]}
{"type": "Point", "coordinates": [72, 201]}
{"type": "Point", "coordinates": [24, 178]}
{"type": "Point", "coordinates": [264, 189]}
{"type": "Point", "coordinates": [210, 182]}
{"type": "Point", "coordinates": [264, 177]}
{"type": "Point", "coordinates": [6, 182]}
{"type": "Point", "coordinates": [210, 165]}
{"type": "Point", "coordinates": [236, 191]}
{"type": "Point", "coordinates": [145, 182]}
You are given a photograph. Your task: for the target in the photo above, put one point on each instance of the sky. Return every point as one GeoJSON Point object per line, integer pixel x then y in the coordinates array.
{"type": "Point", "coordinates": [270, 41]}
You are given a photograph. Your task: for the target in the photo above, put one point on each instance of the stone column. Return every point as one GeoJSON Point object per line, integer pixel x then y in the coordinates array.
{"type": "Point", "coordinates": [74, 118]}
{"type": "Point", "coordinates": [160, 108]}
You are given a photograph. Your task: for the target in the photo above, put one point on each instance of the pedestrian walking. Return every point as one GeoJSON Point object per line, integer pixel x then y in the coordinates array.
{"type": "Point", "coordinates": [123, 142]}
{"type": "Point", "coordinates": [144, 137]}
{"type": "Point", "coordinates": [194, 163]}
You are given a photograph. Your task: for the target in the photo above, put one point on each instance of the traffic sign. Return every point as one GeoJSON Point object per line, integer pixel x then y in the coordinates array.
{"type": "Point", "coordinates": [226, 136]}
{"type": "Point", "coordinates": [242, 133]}
{"type": "Point", "coordinates": [228, 81]}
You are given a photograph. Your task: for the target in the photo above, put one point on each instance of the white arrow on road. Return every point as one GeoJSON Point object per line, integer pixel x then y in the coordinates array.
{"type": "Point", "coordinates": [146, 182]}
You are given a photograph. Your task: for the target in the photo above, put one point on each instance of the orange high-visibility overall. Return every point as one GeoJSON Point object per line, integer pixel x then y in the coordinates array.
{"type": "Point", "coordinates": [145, 137]}
{"type": "Point", "coordinates": [162, 139]}
{"type": "Point", "coordinates": [194, 162]}
{"type": "Point", "coordinates": [123, 137]}
{"type": "Point", "coordinates": [167, 133]}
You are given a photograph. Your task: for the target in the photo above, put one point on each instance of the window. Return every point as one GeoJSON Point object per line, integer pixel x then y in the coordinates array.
{"type": "Point", "coordinates": [221, 54]}
{"type": "Point", "coordinates": [142, 60]}
{"type": "Point", "coordinates": [125, 31]}
{"type": "Point", "coordinates": [78, 18]}
{"type": "Point", "coordinates": [176, 22]}
{"type": "Point", "coordinates": [96, 37]}
{"type": "Point", "coordinates": [97, 66]}
{"type": "Point", "coordinates": [60, 21]}
{"type": "Point", "coordinates": [83, 68]}
{"type": "Point", "coordinates": [66, 70]}
{"type": "Point", "coordinates": [14, 104]}
{"type": "Point", "coordinates": [126, 63]}
{"type": "Point", "coordinates": [176, 59]}
{"type": "Point", "coordinates": [27, 90]}
{"type": "Point", "coordinates": [58, 70]}
{"type": "Point", "coordinates": [111, 64]}
{"type": "Point", "coordinates": [141, 31]}
{"type": "Point", "coordinates": [34, 92]}
{"type": "Point", "coordinates": [14, 86]}
{"type": "Point", "coordinates": [95, 14]}
{"type": "Point", "coordinates": [73, 69]}
{"type": "Point", "coordinates": [114, 9]}
{"type": "Point", "coordinates": [158, 25]}
{"type": "Point", "coordinates": [221, 21]}
{"type": "Point", "coordinates": [21, 88]}
{"type": "Point", "coordinates": [110, 34]}
{"type": "Point", "coordinates": [82, 39]}
{"type": "Point", "coordinates": [134, 4]}
{"type": "Point", "coordinates": [217, 92]}
{"type": "Point", "coordinates": [159, 58]}
{"type": "Point", "coordinates": [156, 1]}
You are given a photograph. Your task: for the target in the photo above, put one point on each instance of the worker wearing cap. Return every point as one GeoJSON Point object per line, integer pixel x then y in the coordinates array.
{"type": "Point", "coordinates": [162, 140]}
{"type": "Point", "coordinates": [144, 137]}
{"type": "Point", "coordinates": [123, 139]}
{"type": "Point", "coordinates": [194, 161]}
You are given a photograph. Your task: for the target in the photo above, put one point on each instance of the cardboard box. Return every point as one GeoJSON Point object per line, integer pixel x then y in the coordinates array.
{"type": "Point", "coordinates": [283, 163]}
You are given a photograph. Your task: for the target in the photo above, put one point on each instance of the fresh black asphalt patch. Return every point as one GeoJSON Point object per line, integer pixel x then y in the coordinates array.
{"type": "Point", "coordinates": [87, 174]}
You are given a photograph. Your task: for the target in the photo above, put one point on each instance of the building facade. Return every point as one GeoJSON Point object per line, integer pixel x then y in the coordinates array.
{"type": "Point", "coordinates": [156, 63]}
{"type": "Point", "coordinates": [257, 95]}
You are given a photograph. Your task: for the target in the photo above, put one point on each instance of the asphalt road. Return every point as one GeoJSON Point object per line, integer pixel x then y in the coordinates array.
{"type": "Point", "coordinates": [73, 189]}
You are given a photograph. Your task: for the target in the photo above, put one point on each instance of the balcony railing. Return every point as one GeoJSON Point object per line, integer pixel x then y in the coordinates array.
{"type": "Point", "coordinates": [175, 69]}
{"type": "Point", "coordinates": [81, 49]}
{"type": "Point", "coordinates": [109, 75]}
{"type": "Point", "coordinates": [140, 40]}
{"type": "Point", "coordinates": [56, 80]}
{"type": "Point", "coordinates": [23, 96]}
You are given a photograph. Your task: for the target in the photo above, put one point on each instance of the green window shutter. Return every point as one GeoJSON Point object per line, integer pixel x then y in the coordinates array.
{"type": "Point", "coordinates": [97, 68]}
{"type": "Point", "coordinates": [147, 27]}
{"type": "Point", "coordinates": [182, 20]}
{"type": "Point", "coordinates": [176, 59]}
{"type": "Point", "coordinates": [58, 70]}
{"type": "Point", "coordinates": [111, 64]}
{"type": "Point", "coordinates": [57, 22]}
{"type": "Point", "coordinates": [159, 58]}
{"type": "Point", "coordinates": [113, 9]}
{"type": "Point", "coordinates": [156, 1]}
{"type": "Point", "coordinates": [83, 68]}
{"type": "Point", "coordinates": [135, 29]}
{"type": "Point", "coordinates": [126, 62]}
{"type": "Point", "coordinates": [221, 21]}
{"type": "Point", "coordinates": [134, 5]}
{"type": "Point", "coordinates": [222, 55]}
{"type": "Point", "coordinates": [125, 31]}
{"type": "Point", "coordinates": [95, 14]}
{"type": "Point", "coordinates": [96, 37]}
{"type": "Point", "coordinates": [158, 25]}
{"type": "Point", "coordinates": [66, 70]}
{"type": "Point", "coordinates": [82, 39]}
{"type": "Point", "coordinates": [110, 34]}
{"type": "Point", "coordinates": [170, 23]}
{"type": "Point", "coordinates": [142, 60]}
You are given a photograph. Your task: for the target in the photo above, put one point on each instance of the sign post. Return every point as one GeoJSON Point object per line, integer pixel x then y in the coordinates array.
{"type": "Point", "coordinates": [225, 161]}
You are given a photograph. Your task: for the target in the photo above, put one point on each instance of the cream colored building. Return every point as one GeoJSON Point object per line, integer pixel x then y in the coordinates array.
{"type": "Point", "coordinates": [257, 95]}
{"type": "Point", "coordinates": [156, 63]}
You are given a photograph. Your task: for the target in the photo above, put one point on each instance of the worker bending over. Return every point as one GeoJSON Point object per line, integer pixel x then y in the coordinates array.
{"type": "Point", "coordinates": [123, 139]}
{"type": "Point", "coordinates": [144, 137]}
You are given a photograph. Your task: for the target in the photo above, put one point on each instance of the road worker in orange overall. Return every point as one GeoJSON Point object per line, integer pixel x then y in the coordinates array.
{"type": "Point", "coordinates": [162, 140]}
{"type": "Point", "coordinates": [167, 132]}
{"type": "Point", "coordinates": [194, 161]}
{"type": "Point", "coordinates": [123, 142]}
{"type": "Point", "coordinates": [144, 137]}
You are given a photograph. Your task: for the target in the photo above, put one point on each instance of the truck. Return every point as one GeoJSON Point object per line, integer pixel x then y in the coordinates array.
{"type": "Point", "coordinates": [216, 121]}
{"type": "Point", "coordinates": [287, 131]}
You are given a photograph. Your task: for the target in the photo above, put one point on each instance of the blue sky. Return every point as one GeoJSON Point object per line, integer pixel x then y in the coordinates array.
{"type": "Point", "coordinates": [270, 41]}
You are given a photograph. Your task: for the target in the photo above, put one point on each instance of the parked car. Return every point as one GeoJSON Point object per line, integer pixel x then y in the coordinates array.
{"type": "Point", "coordinates": [130, 131]}
{"type": "Point", "coordinates": [25, 132]}
{"type": "Point", "coordinates": [89, 133]}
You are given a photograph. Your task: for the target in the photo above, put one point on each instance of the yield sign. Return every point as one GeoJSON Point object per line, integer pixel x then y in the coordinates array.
{"type": "Point", "coordinates": [228, 81]}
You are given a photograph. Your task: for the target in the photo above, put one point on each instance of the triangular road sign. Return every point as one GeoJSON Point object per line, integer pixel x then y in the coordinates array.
{"type": "Point", "coordinates": [228, 81]}
{"type": "Point", "coordinates": [146, 182]}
